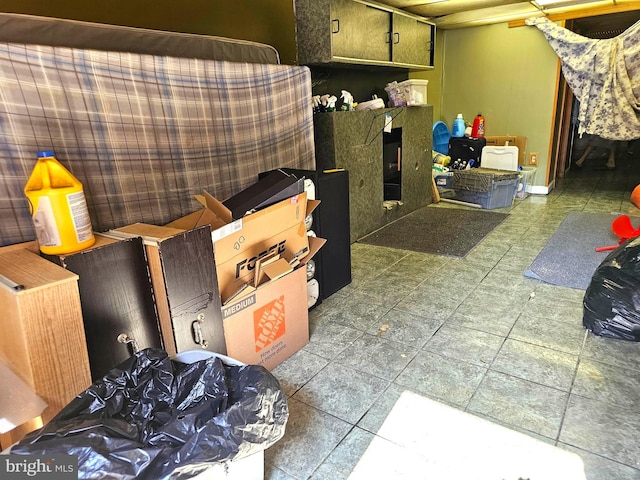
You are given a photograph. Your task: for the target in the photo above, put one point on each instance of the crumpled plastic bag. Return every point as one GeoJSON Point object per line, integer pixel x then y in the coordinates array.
{"type": "Point", "coordinates": [612, 300]}
{"type": "Point", "coordinates": [154, 418]}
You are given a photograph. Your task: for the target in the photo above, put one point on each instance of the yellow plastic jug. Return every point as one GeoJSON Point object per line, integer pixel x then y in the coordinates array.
{"type": "Point", "coordinates": [58, 207]}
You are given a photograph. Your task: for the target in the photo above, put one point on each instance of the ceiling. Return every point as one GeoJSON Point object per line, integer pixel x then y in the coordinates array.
{"type": "Point", "coordinates": [449, 14]}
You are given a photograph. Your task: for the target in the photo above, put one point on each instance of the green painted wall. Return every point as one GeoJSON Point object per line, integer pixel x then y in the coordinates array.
{"type": "Point", "coordinates": [508, 74]}
{"type": "Point", "coordinates": [265, 21]}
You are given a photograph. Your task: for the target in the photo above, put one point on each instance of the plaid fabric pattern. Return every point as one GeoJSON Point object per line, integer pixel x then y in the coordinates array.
{"type": "Point", "coordinates": [144, 133]}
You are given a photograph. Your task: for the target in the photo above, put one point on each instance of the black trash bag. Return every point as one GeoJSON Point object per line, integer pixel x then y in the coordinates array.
{"type": "Point", "coordinates": [612, 300]}
{"type": "Point", "coordinates": [153, 418]}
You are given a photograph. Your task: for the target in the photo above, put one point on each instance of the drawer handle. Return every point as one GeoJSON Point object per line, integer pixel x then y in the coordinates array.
{"type": "Point", "coordinates": [336, 25]}
{"type": "Point", "coordinates": [130, 342]}
{"type": "Point", "coordinates": [396, 36]}
{"type": "Point", "coordinates": [197, 331]}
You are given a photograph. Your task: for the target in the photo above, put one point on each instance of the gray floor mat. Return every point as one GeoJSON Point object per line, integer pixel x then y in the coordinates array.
{"type": "Point", "coordinates": [444, 231]}
{"type": "Point", "coordinates": [569, 258]}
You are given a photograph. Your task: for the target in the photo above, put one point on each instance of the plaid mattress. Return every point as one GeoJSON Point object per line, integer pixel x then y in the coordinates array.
{"type": "Point", "coordinates": [145, 133]}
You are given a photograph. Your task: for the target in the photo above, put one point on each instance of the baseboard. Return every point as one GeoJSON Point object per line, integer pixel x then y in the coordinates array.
{"type": "Point", "coordinates": [541, 189]}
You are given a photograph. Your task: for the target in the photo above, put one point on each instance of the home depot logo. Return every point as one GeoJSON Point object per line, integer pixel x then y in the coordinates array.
{"type": "Point", "coordinates": [268, 323]}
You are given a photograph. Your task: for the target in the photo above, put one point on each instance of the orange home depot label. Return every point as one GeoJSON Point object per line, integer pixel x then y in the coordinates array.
{"type": "Point", "coordinates": [269, 323]}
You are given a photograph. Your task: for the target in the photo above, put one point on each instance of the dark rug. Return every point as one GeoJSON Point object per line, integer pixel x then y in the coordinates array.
{"type": "Point", "coordinates": [569, 258]}
{"type": "Point", "coordinates": [443, 231]}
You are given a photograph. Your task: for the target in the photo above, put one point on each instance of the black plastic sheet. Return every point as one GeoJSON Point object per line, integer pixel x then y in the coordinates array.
{"type": "Point", "coordinates": [154, 418]}
{"type": "Point", "coordinates": [612, 300]}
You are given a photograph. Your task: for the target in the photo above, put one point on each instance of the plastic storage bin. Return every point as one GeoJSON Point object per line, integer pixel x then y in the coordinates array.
{"type": "Point", "coordinates": [414, 91]}
{"type": "Point", "coordinates": [444, 180]}
{"type": "Point", "coordinates": [527, 175]}
{"type": "Point", "coordinates": [486, 187]}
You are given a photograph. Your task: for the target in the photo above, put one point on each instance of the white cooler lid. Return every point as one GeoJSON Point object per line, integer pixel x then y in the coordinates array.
{"type": "Point", "coordinates": [500, 158]}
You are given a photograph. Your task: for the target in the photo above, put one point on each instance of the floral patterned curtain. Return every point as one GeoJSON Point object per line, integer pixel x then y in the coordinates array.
{"type": "Point", "coordinates": [604, 75]}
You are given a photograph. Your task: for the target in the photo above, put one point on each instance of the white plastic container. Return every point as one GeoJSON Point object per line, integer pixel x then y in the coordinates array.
{"type": "Point", "coordinates": [527, 176]}
{"type": "Point", "coordinates": [499, 158]}
{"type": "Point", "coordinates": [414, 91]}
{"type": "Point", "coordinates": [371, 104]}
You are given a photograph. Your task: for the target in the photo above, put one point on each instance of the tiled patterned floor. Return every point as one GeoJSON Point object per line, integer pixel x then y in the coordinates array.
{"type": "Point", "coordinates": [471, 333]}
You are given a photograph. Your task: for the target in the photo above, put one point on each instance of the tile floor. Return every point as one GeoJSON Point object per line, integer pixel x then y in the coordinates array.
{"type": "Point", "coordinates": [471, 333]}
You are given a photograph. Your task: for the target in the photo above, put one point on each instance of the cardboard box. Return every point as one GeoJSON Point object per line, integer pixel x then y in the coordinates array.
{"type": "Point", "coordinates": [267, 324]}
{"type": "Point", "coordinates": [512, 140]}
{"type": "Point", "coordinates": [183, 274]}
{"type": "Point", "coordinates": [270, 324]}
{"type": "Point", "coordinates": [239, 244]}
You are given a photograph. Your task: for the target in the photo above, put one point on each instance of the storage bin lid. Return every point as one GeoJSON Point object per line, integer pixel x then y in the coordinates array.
{"type": "Point", "coordinates": [413, 81]}
{"type": "Point", "coordinates": [500, 158]}
{"type": "Point", "coordinates": [441, 137]}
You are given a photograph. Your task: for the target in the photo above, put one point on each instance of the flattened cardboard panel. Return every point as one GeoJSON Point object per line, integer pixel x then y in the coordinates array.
{"type": "Point", "coordinates": [512, 140]}
{"type": "Point", "coordinates": [279, 228]}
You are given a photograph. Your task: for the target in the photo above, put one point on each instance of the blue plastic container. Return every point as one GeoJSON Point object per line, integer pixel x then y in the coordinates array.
{"type": "Point", "coordinates": [458, 127]}
{"type": "Point", "coordinates": [441, 137]}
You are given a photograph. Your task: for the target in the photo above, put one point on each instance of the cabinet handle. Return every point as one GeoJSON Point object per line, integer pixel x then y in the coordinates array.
{"type": "Point", "coordinates": [197, 331]}
{"type": "Point", "coordinates": [388, 40]}
{"type": "Point", "coordinates": [396, 36]}
{"type": "Point", "coordinates": [130, 342]}
{"type": "Point", "coordinates": [336, 23]}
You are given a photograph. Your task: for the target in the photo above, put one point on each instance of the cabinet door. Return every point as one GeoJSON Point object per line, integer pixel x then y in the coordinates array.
{"type": "Point", "coordinates": [412, 41]}
{"type": "Point", "coordinates": [360, 31]}
{"type": "Point", "coordinates": [116, 299]}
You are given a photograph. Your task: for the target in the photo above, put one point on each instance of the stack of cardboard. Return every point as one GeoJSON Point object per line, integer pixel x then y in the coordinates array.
{"type": "Point", "coordinates": [259, 261]}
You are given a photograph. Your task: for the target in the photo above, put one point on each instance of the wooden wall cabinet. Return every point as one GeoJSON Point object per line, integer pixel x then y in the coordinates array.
{"type": "Point", "coordinates": [413, 41]}
{"type": "Point", "coordinates": [359, 32]}
{"type": "Point", "coordinates": [43, 336]}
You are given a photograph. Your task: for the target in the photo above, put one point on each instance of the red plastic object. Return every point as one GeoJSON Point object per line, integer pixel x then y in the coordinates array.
{"type": "Point", "coordinates": [477, 131]}
{"type": "Point", "coordinates": [606, 249]}
{"type": "Point", "coordinates": [623, 228]}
